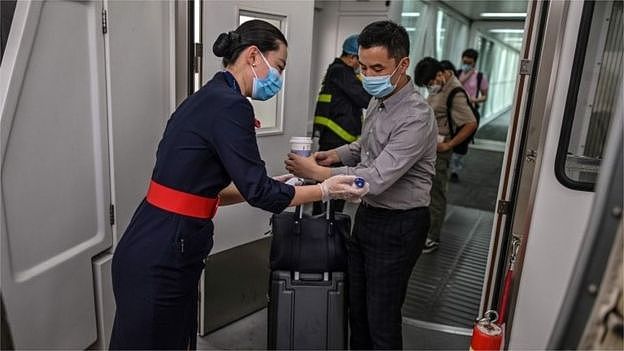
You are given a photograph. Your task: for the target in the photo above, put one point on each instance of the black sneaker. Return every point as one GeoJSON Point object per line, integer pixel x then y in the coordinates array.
{"type": "Point", "coordinates": [454, 178]}
{"type": "Point", "coordinates": [431, 246]}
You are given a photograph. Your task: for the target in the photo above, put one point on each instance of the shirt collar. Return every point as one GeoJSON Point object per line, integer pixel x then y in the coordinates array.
{"type": "Point", "coordinates": [231, 81]}
{"type": "Point", "coordinates": [398, 96]}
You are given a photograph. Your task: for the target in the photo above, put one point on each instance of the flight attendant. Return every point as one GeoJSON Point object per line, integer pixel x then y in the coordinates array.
{"type": "Point", "coordinates": [208, 157]}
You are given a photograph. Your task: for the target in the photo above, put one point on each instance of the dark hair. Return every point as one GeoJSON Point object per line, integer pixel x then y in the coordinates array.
{"type": "Point", "coordinates": [344, 54]}
{"type": "Point", "coordinates": [426, 70]}
{"type": "Point", "coordinates": [471, 53]}
{"type": "Point", "coordinates": [387, 34]}
{"type": "Point", "coordinates": [255, 32]}
{"type": "Point", "coordinates": [448, 65]}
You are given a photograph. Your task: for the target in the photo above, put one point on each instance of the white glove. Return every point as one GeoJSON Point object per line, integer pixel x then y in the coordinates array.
{"type": "Point", "coordinates": [357, 199]}
{"type": "Point", "coordinates": [295, 181]}
{"type": "Point", "coordinates": [341, 187]}
{"type": "Point", "coordinates": [289, 179]}
{"type": "Point", "coordinates": [283, 178]}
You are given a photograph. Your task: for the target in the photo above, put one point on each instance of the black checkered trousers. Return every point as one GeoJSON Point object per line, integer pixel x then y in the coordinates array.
{"type": "Point", "coordinates": [383, 249]}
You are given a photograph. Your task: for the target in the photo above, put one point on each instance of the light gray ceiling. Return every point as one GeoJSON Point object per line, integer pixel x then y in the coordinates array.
{"type": "Point", "coordinates": [473, 9]}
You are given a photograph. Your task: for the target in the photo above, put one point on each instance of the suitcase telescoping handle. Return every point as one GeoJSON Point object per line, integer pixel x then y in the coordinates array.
{"type": "Point", "coordinates": [330, 212]}
{"type": "Point", "coordinates": [311, 276]}
{"type": "Point", "coordinates": [330, 215]}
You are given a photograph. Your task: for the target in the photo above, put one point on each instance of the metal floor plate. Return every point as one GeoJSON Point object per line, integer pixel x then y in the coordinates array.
{"type": "Point", "coordinates": [445, 286]}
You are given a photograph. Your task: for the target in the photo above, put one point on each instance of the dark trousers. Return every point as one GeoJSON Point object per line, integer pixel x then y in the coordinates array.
{"type": "Point", "coordinates": [439, 188]}
{"type": "Point", "coordinates": [156, 269]}
{"type": "Point", "coordinates": [382, 252]}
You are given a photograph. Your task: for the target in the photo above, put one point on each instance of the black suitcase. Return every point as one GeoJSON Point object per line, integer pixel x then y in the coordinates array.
{"type": "Point", "coordinates": [307, 311]}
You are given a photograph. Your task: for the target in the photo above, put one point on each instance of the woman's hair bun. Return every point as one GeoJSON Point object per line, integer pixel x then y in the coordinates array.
{"type": "Point", "coordinates": [226, 43]}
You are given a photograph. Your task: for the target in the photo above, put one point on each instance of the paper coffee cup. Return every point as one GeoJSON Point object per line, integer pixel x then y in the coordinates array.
{"type": "Point", "coordinates": [301, 146]}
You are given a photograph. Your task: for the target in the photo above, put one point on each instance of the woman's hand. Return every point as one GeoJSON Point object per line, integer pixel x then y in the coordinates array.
{"type": "Point", "coordinates": [283, 178]}
{"type": "Point", "coordinates": [306, 167]}
{"type": "Point", "coordinates": [342, 187]}
{"type": "Point", "coordinates": [289, 179]}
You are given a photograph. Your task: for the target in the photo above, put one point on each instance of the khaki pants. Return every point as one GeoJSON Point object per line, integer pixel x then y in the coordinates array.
{"type": "Point", "coordinates": [438, 194]}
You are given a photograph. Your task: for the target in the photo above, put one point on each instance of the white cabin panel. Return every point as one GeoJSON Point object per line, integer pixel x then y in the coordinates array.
{"type": "Point", "coordinates": [559, 220]}
{"type": "Point", "coordinates": [55, 173]}
{"type": "Point", "coordinates": [240, 224]}
{"type": "Point", "coordinates": [141, 54]}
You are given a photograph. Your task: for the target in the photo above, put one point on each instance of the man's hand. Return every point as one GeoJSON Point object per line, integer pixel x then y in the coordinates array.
{"type": "Point", "coordinates": [444, 147]}
{"type": "Point", "coordinates": [326, 158]}
{"type": "Point", "coordinates": [306, 167]}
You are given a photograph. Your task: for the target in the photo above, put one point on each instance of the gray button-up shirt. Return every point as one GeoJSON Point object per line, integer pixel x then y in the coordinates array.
{"type": "Point", "coordinates": [396, 152]}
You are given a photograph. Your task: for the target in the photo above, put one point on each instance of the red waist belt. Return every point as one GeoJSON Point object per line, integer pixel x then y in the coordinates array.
{"type": "Point", "coordinates": [180, 202]}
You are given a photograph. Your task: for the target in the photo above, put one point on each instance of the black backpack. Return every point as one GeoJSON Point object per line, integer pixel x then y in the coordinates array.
{"type": "Point", "coordinates": [479, 80]}
{"type": "Point", "coordinates": [461, 148]}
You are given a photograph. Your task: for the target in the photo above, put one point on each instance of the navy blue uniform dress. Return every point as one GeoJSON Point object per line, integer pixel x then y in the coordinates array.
{"type": "Point", "coordinates": [209, 141]}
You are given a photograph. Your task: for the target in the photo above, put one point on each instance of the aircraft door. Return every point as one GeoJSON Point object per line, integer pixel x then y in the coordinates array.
{"type": "Point", "coordinates": [55, 172]}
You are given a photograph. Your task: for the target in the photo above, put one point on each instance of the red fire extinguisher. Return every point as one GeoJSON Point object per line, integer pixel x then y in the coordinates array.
{"type": "Point", "coordinates": [486, 334]}
{"type": "Point", "coordinates": [489, 332]}
{"type": "Point", "coordinates": [502, 306]}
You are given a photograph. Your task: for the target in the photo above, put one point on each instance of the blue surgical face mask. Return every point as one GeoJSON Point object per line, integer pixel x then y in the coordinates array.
{"type": "Point", "coordinates": [466, 67]}
{"type": "Point", "coordinates": [265, 88]}
{"type": "Point", "coordinates": [379, 86]}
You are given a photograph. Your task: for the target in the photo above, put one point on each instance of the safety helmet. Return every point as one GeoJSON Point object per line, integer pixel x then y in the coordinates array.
{"type": "Point", "coordinates": [350, 45]}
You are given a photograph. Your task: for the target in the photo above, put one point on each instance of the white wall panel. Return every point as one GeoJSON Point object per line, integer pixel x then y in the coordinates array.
{"type": "Point", "coordinates": [140, 44]}
{"type": "Point", "coordinates": [239, 224]}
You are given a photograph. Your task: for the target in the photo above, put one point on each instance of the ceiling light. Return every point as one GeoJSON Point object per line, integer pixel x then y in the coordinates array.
{"type": "Point", "coordinates": [503, 14]}
{"type": "Point", "coordinates": [506, 30]}
{"type": "Point", "coordinates": [410, 14]}
{"type": "Point", "coordinates": [410, 29]}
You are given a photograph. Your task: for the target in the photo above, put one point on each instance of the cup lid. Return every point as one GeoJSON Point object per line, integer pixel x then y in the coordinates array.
{"type": "Point", "coordinates": [300, 140]}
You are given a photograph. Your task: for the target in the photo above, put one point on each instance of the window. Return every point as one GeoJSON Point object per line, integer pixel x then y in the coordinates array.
{"type": "Point", "coordinates": [595, 87]}
{"type": "Point", "coordinates": [270, 112]}
{"type": "Point", "coordinates": [413, 18]}
{"type": "Point", "coordinates": [498, 60]}
{"type": "Point", "coordinates": [451, 37]}
{"type": "Point", "coordinates": [433, 31]}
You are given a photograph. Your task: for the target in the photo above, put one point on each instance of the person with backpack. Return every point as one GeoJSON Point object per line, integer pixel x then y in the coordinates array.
{"type": "Point", "coordinates": [476, 85]}
{"type": "Point", "coordinates": [449, 71]}
{"type": "Point", "coordinates": [456, 125]}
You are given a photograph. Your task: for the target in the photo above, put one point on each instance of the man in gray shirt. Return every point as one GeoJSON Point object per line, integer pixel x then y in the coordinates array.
{"type": "Point", "coordinates": [396, 156]}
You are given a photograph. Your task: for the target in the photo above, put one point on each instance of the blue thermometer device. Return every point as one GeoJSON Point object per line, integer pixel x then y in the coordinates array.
{"type": "Point", "coordinates": [359, 182]}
